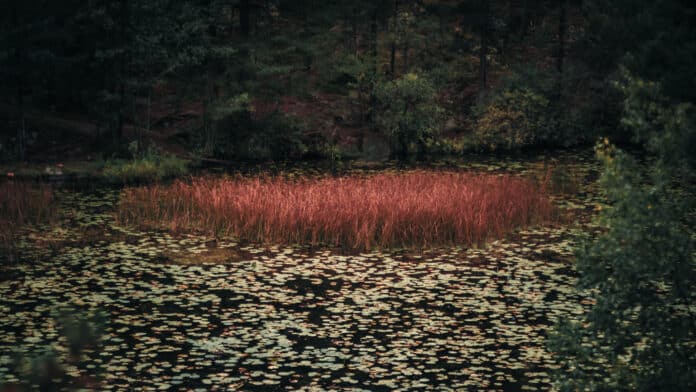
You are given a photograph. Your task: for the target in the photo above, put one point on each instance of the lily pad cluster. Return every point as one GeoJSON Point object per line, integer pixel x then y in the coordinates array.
{"type": "Point", "coordinates": [261, 318]}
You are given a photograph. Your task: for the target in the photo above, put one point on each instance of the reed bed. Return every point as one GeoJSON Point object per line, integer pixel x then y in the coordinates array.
{"type": "Point", "coordinates": [414, 209]}
{"type": "Point", "coordinates": [20, 204]}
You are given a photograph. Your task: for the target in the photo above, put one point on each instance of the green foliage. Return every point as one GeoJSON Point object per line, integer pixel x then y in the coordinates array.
{"type": "Point", "coordinates": [277, 136]}
{"type": "Point", "coordinates": [238, 104]}
{"type": "Point", "coordinates": [666, 129]}
{"type": "Point", "coordinates": [408, 112]}
{"type": "Point", "coordinates": [642, 271]}
{"type": "Point", "coordinates": [448, 146]}
{"type": "Point", "coordinates": [144, 167]}
{"type": "Point", "coordinates": [527, 77]}
{"type": "Point", "coordinates": [642, 327]}
{"type": "Point", "coordinates": [283, 136]}
{"type": "Point", "coordinates": [641, 333]}
{"type": "Point", "coordinates": [654, 40]}
{"type": "Point", "coordinates": [351, 75]}
{"type": "Point", "coordinates": [574, 112]}
{"type": "Point", "coordinates": [514, 118]}
{"type": "Point", "coordinates": [593, 110]}
{"type": "Point", "coordinates": [529, 109]}
{"type": "Point", "coordinates": [352, 71]}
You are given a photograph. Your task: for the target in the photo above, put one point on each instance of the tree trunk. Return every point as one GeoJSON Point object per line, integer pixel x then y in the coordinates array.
{"type": "Point", "coordinates": [244, 11]}
{"type": "Point", "coordinates": [483, 53]}
{"type": "Point", "coordinates": [392, 58]}
{"type": "Point", "coordinates": [19, 62]}
{"type": "Point", "coordinates": [405, 55]}
{"type": "Point", "coordinates": [374, 44]}
{"type": "Point", "coordinates": [559, 61]}
{"type": "Point", "coordinates": [561, 36]}
{"type": "Point", "coordinates": [208, 128]}
{"type": "Point", "coordinates": [149, 110]}
{"type": "Point", "coordinates": [354, 25]}
{"type": "Point", "coordinates": [524, 23]}
{"type": "Point", "coordinates": [403, 147]}
{"type": "Point", "coordinates": [118, 131]}
{"type": "Point", "coordinates": [506, 36]}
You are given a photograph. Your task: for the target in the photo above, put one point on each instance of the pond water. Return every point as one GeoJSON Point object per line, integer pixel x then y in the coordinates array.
{"type": "Point", "coordinates": [186, 312]}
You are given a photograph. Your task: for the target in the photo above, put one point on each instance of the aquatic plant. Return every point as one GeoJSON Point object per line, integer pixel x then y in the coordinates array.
{"type": "Point", "coordinates": [22, 203]}
{"type": "Point", "coordinates": [413, 209]}
{"type": "Point", "coordinates": [560, 179]}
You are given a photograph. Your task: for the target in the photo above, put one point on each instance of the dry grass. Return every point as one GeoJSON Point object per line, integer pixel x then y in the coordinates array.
{"type": "Point", "coordinates": [414, 209]}
{"type": "Point", "coordinates": [20, 204]}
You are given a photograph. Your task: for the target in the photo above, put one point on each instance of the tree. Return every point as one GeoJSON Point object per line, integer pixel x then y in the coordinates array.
{"type": "Point", "coordinates": [244, 15]}
{"type": "Point", "coordinates": [561, 43]}
{"type": "Point", "coordinates": [640, 333]}
{"type": "Point", "coordinates": [654, 39]}
{"type": "Point", "coordinates": [478, 17]}
{"type": "Point", "coordinates": [483, 51]}
{"type": "Point", "coordinates": [20, 40]}
{"type": "Point", "coordinates": [513, 118]}
{"type": "Point", "coordinates": [642, 271]}
{"type": "Point", "coordinates": [408, 113]}
{"type": "Point", "coordinates": [19, 55]}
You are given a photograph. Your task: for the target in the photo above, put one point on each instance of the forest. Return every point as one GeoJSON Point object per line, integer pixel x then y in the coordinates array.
{"type": "Point", "coordinates": [270, 195]}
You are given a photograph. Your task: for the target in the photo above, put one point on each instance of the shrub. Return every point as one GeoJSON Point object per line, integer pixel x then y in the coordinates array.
{"type": "Point", "coordinates": [283, 136]}
{"type": "Point", "coordinates": [145, 168]}
{"type": "Point", "coordinates": [514, 119]}
{"type": "Point", "coordinates": [529, 77]}
{"type": "Point", "coordinates": [639, 335]}
{"type": "Point", "coordinates": [387, 210]}
{"type": "Point", "coordinates": [276, 136]}
{"type": "Point", "coordinates": [595, 111]}
{"type": "Point", "coordinates": [451, 146]}
{"type": "Point", "coordinates": [642, 273]}
{"type": "Point", "coordinates": [531, 108]}
{"type": "Point", "coordinates": [408, 113]}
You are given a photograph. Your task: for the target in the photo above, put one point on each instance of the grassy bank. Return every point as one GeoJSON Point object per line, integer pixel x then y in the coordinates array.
{"type": "Point", "coordinates": [110, 171]}
{"type": "Point", "coordinates": [415, 209]}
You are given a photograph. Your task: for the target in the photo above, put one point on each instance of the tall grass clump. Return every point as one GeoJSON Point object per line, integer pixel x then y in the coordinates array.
{"type": "Point", "coordinates": [414, 209]}
{"type": "Point", "coordinates": [22, 204]}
